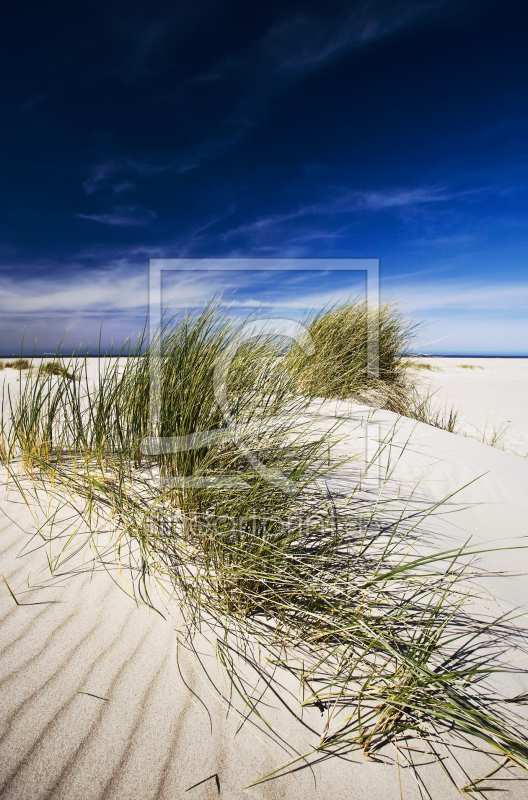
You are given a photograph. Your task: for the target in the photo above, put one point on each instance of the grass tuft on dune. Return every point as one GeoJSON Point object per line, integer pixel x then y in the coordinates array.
{"type": "Point", "coordinates": [20, 363]}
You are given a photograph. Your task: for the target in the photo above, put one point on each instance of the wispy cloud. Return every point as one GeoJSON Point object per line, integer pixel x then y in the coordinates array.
{"type": "Point", "coordinates": [416, 298]}
{"type": "Point", "coordinates": [398, 198]}
{"type": "Point", "coordinates": [346, 201]}
{"type": "Point", "coordinates": [306, 42]}
{"type": "Point", "coordinates": [118, 289]}
{"type": "Point", "coordinates": [97, 291]}
{"type": "Point", "coordinates": [122, 215]}
{"type": "Point", "coordinates": [100, 174]}
{"type": "Point", "coordinates": [464, 295]}
{"type": "Point", "coordinates": [105, 174]}
{"type": "Point", "coordinates": [455, 239]}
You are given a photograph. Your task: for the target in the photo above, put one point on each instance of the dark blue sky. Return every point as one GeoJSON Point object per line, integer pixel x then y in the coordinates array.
{"type": "Point", "coordinates": [391, 130]}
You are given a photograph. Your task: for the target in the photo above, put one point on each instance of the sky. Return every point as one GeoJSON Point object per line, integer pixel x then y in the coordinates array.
{"type": "Point", "coordinates": [384, 129]}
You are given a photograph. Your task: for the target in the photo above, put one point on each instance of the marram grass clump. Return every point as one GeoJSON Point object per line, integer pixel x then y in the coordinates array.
{"type": "Point", "coordinates": [20, 363]}
{"type": "Point", "coordinates": [53, 368]}
{"type": "Point", "coordinates": [423, 365]}
{"type": "Point", "coordinates": [211, 485]}
{"type": "Point", "coordinates": [351, 338]}
{"type": "Point", "coordinates": [339, 367]}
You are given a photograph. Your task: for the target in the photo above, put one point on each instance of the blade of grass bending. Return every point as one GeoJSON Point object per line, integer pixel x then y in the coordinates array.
{"type": "Point", "coordinates": [11, 591]}
{"type": "Point", "coordinates": [215, 776]}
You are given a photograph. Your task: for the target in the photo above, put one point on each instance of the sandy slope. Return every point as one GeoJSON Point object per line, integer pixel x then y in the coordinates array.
{"type": "Point", "coordinates": [141, 733]}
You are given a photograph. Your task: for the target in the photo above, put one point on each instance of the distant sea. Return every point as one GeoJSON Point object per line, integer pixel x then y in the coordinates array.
{"type": "Point", "coordinates": [115, 355]}
{"type": "Point", "coordinates": [462, 355]}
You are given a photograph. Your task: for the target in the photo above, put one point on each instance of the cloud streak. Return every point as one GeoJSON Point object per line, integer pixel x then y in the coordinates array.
{"type": "Point", "coordinates": [349, 201]}
{"type": "Point", "coordinates": [125, 289]}
{"type": "Point", "coordinates": [464, 296]}
{"type": "Point", "coordinates": [122, 215]}
{"type": "Point", "coordinates": [105, 173]}
{"type": "Point", "coordinates": [116, 290]}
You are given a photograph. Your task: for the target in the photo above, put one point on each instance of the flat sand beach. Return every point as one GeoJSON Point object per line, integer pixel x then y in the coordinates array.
{"type": "Point", "coordinates": [491, 395]}
{"type": "Point", "coordinates": [101, 700]}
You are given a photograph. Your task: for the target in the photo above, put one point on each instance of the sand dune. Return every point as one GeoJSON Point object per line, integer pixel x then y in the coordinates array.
{"type": "Point", "coordinates": [95, 704]}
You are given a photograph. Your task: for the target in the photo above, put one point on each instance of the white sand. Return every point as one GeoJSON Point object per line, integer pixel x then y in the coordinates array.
{"type": "Point", "coordinates": [491, 397]}
{"type": "Point", "coordinates": [151, 738]}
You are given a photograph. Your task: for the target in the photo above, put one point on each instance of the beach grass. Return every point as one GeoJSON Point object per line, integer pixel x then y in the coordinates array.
{"type": "Point", "coordinates": [20, 364]}
{"type": "Point", "coordinates": [424, 409]}
{"type": "Point", "coordinates": [423, 365]}
{"type": "Point", "coordinates": [339, 366]}
{"type": "Point", "coordinates": [54, 368]}
{"type": "Point", "coordinates": [493, 439]}
{"type": "Point", "coordinates": [220, 501]}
